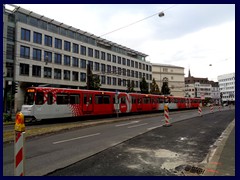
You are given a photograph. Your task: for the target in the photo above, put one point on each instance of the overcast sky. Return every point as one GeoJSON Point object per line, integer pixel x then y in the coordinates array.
{"type": "Point", "coordinates": [189, 35]}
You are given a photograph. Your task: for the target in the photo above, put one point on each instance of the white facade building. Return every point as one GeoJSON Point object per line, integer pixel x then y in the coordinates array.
{"type": "Point", "coordinates": [227, 87]}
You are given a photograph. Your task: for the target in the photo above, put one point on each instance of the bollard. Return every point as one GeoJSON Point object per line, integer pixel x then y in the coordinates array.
{"type": "Point", "coordinates": [19, 148]}
{"type": "Point", "coordinates": [166, 115]}
{"type": "Point", "coordinates": [199, 110]}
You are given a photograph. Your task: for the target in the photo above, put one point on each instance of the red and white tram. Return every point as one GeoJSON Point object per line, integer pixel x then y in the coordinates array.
{"type": "Point", "coordinates": [47, 103]}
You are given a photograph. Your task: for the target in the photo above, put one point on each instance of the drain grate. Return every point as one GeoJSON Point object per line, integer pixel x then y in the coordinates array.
{"type": "Point", "coordinates": [193, 169]}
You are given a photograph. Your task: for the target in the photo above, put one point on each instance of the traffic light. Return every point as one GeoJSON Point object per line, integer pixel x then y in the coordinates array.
{"type": "Point", "coordinates": [15, 87]}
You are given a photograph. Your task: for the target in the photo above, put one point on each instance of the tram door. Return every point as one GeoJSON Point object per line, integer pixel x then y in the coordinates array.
{"type": "Point", "coordinates": [87, 103]}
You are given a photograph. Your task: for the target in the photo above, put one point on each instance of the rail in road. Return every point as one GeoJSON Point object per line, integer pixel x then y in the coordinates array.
{"type": "Point", "coordinates": [46, 154]}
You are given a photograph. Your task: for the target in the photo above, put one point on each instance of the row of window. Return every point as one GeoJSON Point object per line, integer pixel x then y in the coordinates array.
{"type": "Point", "coordinates": [74, 48]}
{"type": "Point", "coordinates": [69, 75]}
{"type": "Point", "coordinates": [39, 23]}
{"type": "Point", "coordinates": [64, 98]}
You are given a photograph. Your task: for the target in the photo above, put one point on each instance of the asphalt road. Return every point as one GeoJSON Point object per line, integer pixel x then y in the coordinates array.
{"type": "Point", "coordinates": [48, 153]}
{"type": "Point", "coordinates": [164, 151]}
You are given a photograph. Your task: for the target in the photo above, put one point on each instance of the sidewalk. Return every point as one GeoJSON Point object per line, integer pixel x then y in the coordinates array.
{"type": "Point", "coordinates": [222, 163]}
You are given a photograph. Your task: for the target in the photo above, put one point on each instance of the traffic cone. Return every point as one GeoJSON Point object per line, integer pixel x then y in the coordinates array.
{"type": "Point", "coordinates": [211, 108]}
{"type": "Point", "coordinates": [166, 115]}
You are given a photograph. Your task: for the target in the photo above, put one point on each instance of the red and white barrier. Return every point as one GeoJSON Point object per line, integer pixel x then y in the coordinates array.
{"type": "Point", "coordinates": [166, 115]}
{"type": "Point", "coordinates": [19, 147]}
{"type": "Point", "coordinates": [211, 109]}
{"type": "Point", "coordinates": [200, 110]}
{"type": "Point", "coordinates": [19, 154]}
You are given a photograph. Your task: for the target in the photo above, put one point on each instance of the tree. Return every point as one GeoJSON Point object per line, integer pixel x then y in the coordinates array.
{"type": "Point", "coordinates": [144, 86]}
{"type": "Point", "coordinates": [165, 89]}
{"type": "Point", "coordinates": [93, 81]}
{"type": "Point", "coordinates": [130, 86]}
{"type": "Point", "coordinates": [154, 89]}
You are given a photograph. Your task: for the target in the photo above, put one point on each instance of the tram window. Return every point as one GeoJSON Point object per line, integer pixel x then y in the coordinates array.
{"type": "Point", "coordinates": [50, 98]}
{"type": "Point", "coordinates": [74, 98]}
{"type": "Point", "coordinates": [166, 100]}
{"type": "Point", "coordinates": [39, 98]}
{"type": "Point", "coordinates": [160, 100]}
{"type": "Point", "coordinates": [139, 100]}
{"type": "Point", "coordinates": [29, 98]}
{"type": "Point", "coordinates": [146, 100]}
{"type": "Point", "coordinates": [106, 99]}
{"type": "Point", "coordinates": [123, 100]}
{"type": "Point", "coordinates": [85, 99]}
{"type": "Point", "coordinates": [176, 100]}
{"type": "Point", "coordinates": [62, 98]}
{"type": "Point", "coordinates": [98, 99]}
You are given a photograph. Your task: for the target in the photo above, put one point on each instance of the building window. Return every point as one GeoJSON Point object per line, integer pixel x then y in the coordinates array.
{"type": "Point", "coordinates": [114, 81]}
{"type": "Point", "coordinates": [36, 71]}
{"type": "Point", "coordinates": [83, 50]}
{"type": "Point", "coordinates": [103, 56]}
{"type": "Point", "coordinates": [66, 60]}
{"type": "Point", "coordinates": [58, 43]}
{"type": "Point", "coordinates": [132, 73]}
{"type": "Point", "coordinates": [57, 74]}
{"type": "Point", "coordinates": [75, 48]}
{"type": "Point", "coordinates": [97, 66]}
{"type": "Point", "coordinates": [109, 80]}
{"type": "Point", "coordinates": [124, 72]}
{"type": "Point", "coordinates": [24, 69]}
{"type": "Point", "coordinates": [75, 76]}
{"type": "Point", "coordinates": [47, 56]}
{"type": "Point", "coordinates": [83, 63]}
{"type": "Point", "coordinates": [119, 71]}
{"type": "Point", "coordinates": [128, 62]}
{"type": "Point", "coordinates": [66, 75]}
{"type": "Point", "coordinates": [67, 46]}
{"type": "Point", "coordinates": [48, 41]}
{"type": "Point", "coordinates": [37, 54]}
{"type": "Point", "coordinates": [114, 59]}
{"type": "Point", "coordinates": [47, 72]}
{"type": "Point", "coordinates": [25, 34]}
{"type": "Point", "coordinates": [119, 81]}
{"type": "Point", "coordinates": [10, 33]}
{"type": "Point", "coordinates": [103, 79]}
{"type": "Point", "coordinates": [165, 69]}
{"type": "Point", "coordinates": [91, 64]}
{"type": "Point", "coordinates": [114, 69]}
{"type": "Point", "coordinates": [58, 59]}
{"type": "Point", "coordinates": [128, 72]}
{"type": "Point", "coordinates": [83, 77]}
{"type": "Point", "coordinates": [119, 60]}
{"type": "Point", "coordinates": [25, 52]}
{"type": "Point", "coordinates": [132, 63]}
{"type": "Point", "coordinates": [37, 38]}
{"type": "Point", "coordinates": [140, 65]}
{"type": "Point", "coordinates": [75, 62]}
{"type": "Point", "coordinates": [103, 68]}
{"type": "Point", "coordinates": [108, 69]}
{"type": "Point", "coordinates": [90, 52]}
{"type": "Point", "coordinates": [124, 61]}
{"type": "Point", "coordinates": [109, 57]}
{"type": "Point", "coordinates": [97, 54]}
{"type": "Point", "coordinates": [136, 64]}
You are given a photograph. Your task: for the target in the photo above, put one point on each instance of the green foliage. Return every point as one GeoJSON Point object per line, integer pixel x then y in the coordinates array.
{"type": "Point", "coordinates": [7, 117]}
{"type": "Point", "coordinates": [154, 89]}
{"type": "Point", "coordinates": [165, 89]}
{"type": "Point", "coordinates": [130, 86]}
{"type": "Point", "coordinates": [144, 86]}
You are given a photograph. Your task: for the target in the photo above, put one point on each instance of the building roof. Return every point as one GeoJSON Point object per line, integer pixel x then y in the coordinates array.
{"type": "Point", "coordinates": [166, 65]}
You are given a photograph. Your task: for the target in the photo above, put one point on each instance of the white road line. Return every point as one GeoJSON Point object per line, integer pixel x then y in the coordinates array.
{"type": "Point", "coordinates": [81, 137]}
{"type": "Point", "coordinates": [137, 125]}
{"type": "Point", "coordinates": [154, 127]}
{"type": "Point", "coordinates": [133, 122]}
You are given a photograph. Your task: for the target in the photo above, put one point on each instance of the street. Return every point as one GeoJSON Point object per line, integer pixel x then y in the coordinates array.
{"type": "Point", "coordinates": [106, 144]}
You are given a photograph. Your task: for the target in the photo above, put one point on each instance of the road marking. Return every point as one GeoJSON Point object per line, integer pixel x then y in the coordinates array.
{"type": "Point", "coordinates": [81, 137]}
{"type": "Point", "coordinates": [133, 122]}
{"type": "Point", "coordinates": [138, 125]}
{"type": "Point", "coordinates": [153, 127]}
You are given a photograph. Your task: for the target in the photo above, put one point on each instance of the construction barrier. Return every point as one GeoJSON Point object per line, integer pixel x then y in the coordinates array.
{"type": "Point", "coordinates": [211, 108]}
{"type": "Point", "coordinates": [166, 115]}
{"type": "Point", "coordinates": [19, 148]}
{"type": "Point", "coordinates": [199, 110]}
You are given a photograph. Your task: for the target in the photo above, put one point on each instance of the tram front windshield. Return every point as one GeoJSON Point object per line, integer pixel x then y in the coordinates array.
{"type": "Point", "coordinates": [29, 97]}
